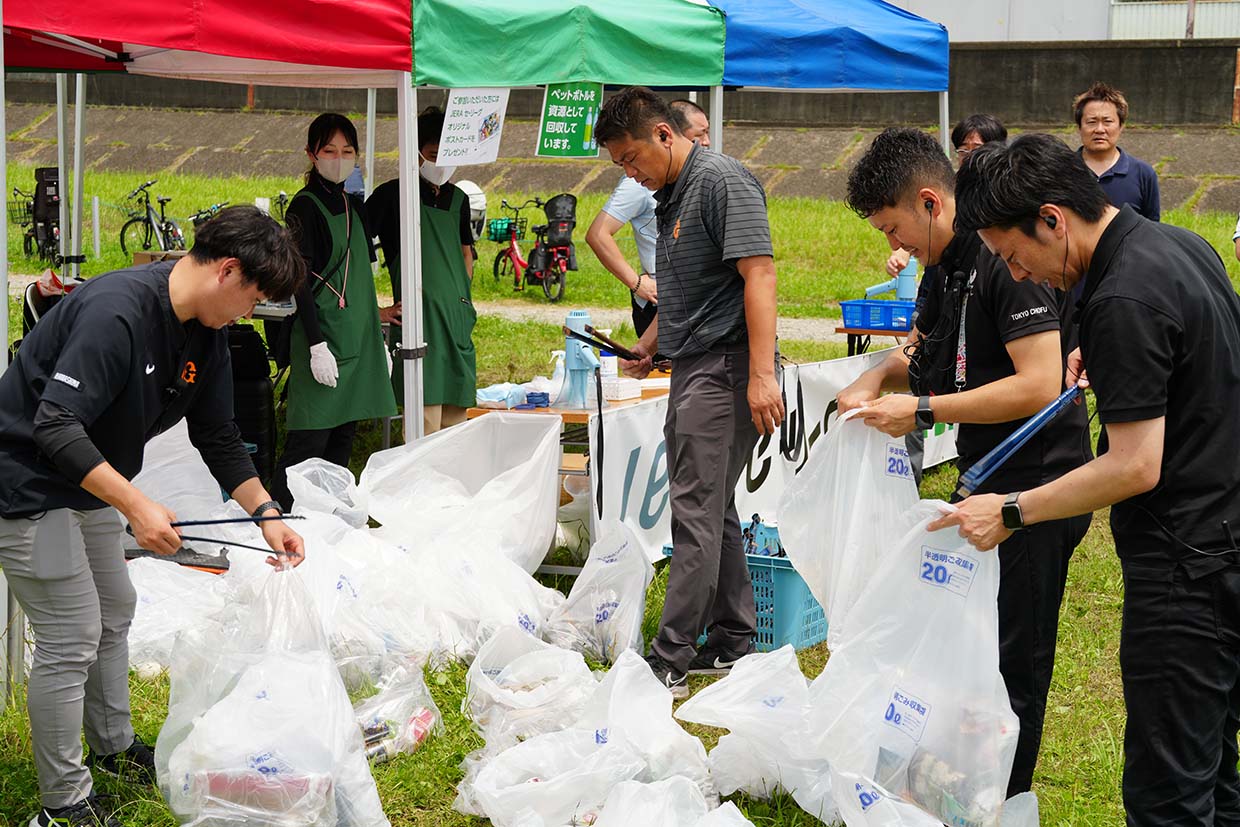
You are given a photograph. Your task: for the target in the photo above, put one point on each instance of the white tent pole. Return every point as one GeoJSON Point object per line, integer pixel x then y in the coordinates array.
{"type": "Point", "coordinates": [716, 118]}
{"type": "Point", "coordinates": [79, 135]}
{"type": "Point", "coordinates": [62, 106]}
{"type": "Point", "coordinates": [945, 135]}
{"type": "Point", "coordinates": [411, 251]}
{"type": "Point", "coordinates": [370, 141]}
{"type": "Point", "coordinates": [4, 225]}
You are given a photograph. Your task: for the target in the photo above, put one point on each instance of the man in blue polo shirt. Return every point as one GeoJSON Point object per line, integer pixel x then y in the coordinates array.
{"type": "Point", "coordinates": [1100, 113]}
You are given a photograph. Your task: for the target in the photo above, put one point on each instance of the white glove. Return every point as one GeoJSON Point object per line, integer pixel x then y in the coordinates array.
{"type": "Point", "coordinates": [323, 365]}
{"type": "Point", "coordinates": [388, 354]}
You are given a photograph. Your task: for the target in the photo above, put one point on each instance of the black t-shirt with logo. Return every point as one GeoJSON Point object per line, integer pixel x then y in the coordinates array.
{"type": "Point", "coordinates": [114, 355]}
{"type": "Point", "coordinates": [1160, 335]}
{"type": "Point", "coordinates": [999, 310]}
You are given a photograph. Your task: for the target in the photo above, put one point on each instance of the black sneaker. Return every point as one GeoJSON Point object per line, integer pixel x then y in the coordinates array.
{"type": "Point", "coordinates": [89, 812]}
{"type": "Point", "coordinates": [677, 682]}
{"type": "Point", "coordinates": [135, 765]}
{"type": "Point", "coordinates": [712, 661]}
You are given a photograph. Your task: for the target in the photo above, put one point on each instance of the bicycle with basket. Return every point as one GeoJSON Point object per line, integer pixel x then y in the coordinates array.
{"type": "Point", "coordinates": [38, 214]}
{"type": "Point", "coordinates": [553, 253]}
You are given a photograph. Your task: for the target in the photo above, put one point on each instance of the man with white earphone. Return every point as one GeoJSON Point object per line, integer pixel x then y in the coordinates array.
{"type": "Point", "coordinates": [716, 322]}
{"type": "Point", "coordinates": [986, 353]}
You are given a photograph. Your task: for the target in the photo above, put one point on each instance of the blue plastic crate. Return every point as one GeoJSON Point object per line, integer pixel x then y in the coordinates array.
{"type": "Point", "coordinates": [878, 314]}
{"type": "Point", "coordinates": [786, 611]}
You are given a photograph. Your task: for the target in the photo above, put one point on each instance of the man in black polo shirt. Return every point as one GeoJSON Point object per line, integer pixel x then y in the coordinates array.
{"type": "Point", "coordinates": [716, 322]}
{"type": "Point", "coordinates": [986, 354]}
{"type": "Point", "coordinates": [120, 359]}
{"type": "Point", "coordinates": [1159, 330]}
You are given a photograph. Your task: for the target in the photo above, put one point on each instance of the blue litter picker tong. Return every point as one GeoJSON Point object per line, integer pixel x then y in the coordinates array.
{"type": "Point", "coordinates": [972, 479]}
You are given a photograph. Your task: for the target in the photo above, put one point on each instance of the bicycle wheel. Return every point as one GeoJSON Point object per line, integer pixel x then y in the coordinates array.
{"type": "Point", "coordinates": [502, 267]}
{"type": "Point", "coordinates": [173, 237]}
{"type": "Point", "coordinates": [136, 235]}
{"type": "Point", "coordinates": [28, 244]}
{"type": "Point", "coordinates": [553, 281]}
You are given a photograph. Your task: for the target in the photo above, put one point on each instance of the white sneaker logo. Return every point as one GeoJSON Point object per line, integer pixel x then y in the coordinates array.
{"type": "Point", "coordinates": [150, 369]}
{"type": "Point", "coordinates": [720, 663]}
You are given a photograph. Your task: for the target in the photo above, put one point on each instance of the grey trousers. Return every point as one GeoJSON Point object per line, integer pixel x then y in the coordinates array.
{"type": "Point", "coordinates": [710, 435]}
{"type": "Point", "coordinates": [67, 570]}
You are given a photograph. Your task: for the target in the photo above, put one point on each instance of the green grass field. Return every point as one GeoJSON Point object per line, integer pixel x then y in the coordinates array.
{"type": "Point", "coordinates": [825, 254]}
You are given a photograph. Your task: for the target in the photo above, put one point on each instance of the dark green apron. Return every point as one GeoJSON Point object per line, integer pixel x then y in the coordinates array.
{"type": "Point", "coordinates": [363, 390]}
{"type": "Point", "coordinates": [449, 371]}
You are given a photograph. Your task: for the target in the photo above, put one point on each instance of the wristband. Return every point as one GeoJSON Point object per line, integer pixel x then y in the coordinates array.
{"type": "Point", "coordinates": [637, 285]}
{"type": "Point", "coordinates": [267, 506]}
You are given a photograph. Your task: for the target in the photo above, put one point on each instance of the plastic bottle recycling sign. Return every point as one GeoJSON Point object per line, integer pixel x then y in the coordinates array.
{"type": "Point", "coordinates": [569, 113]}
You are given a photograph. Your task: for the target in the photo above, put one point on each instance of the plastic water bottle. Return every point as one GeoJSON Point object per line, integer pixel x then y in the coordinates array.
{"type": "Point", "coordinates": [609, 363]}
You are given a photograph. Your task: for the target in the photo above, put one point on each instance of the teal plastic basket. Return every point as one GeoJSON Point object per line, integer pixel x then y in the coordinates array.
{"type": "Point", "coordinates": [786, 611]}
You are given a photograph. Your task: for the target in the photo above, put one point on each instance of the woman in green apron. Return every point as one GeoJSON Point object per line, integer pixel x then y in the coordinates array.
{"type": "Point", "coordinates": [449, 372]}
{"type": "Point", "coordinates": [338, 366]}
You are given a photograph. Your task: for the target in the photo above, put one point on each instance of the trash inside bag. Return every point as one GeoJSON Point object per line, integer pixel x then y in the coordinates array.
{"type": "Point", "coordinates": [843, 512]}
{"type": "Point", "coordinates": [913, 702]}
{"type": "Point", "coordinates": [519, 687]}
{"type": "Point", "coordinates": [672, 802]}
{"type": "Point", "coordinates": [490, 483]}
{"type": "Point", "coordinates": [603, 614]}
{"type": "Point", "coordinates": [400, 716]}
{"type": "Point", "coordinates": [259, 728]}
{"type": "Point", "coordinates": [327, 488]}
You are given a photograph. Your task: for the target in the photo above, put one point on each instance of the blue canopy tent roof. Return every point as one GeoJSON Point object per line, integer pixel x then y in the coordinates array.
{"type": "Point", "coordinates": [831, 45]}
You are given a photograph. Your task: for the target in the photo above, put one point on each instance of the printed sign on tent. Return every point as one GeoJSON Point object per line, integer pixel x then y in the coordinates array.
{"type": "Point", "coordinates": [472, 127]}
{"type": "Point", "coordinates": [569, 113]}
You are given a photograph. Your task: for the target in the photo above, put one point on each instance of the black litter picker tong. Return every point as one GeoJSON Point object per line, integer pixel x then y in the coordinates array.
{"type": "Point", "coordinates": [227, 521]}
{"type": "Point", "coordinates": [610, 345]}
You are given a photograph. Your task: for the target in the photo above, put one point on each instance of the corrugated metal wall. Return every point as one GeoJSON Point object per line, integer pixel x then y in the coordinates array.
{"type": "Point", "coordinates": [1155, 20]}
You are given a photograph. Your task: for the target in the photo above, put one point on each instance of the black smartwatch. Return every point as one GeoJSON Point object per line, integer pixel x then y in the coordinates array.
{"type": "Point", "coordinates": [267, 506]}
{"type": "Point", "coordinates": [1013, 518]}
{"type": "Point", "coordinates": [924, 418]}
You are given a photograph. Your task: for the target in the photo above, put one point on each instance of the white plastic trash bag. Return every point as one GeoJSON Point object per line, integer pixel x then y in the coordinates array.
{"type": "Point", "coordinates": [492, 482]}
{"type": "Point", "coordinates": [519, 687]}
{"type": "Point", "coordinates": [561, 777]}
{"type": "Point", "coordinates": [401, 715]}
{"type": "Point", "coordinates": [324, 487]}
{"type": "Point", "coordinates": [913, 701]}
{"type": "Point", "coordinates": [843, 512]}
{"type": "Point", "coordinates": [259, 728]}
{"type": "Point", "coordinates": [174, 475]}
{"type": "Point", "coordinates": [630, 705]}
{"type": "Point", "coordinates": [171, 598]}
{"type": "Point", "coordinates": [724, 816]}
{"type": "Point", "coordinates": [866, 804]}
{"type": "Point", "coordinates": [672, 802]}
{"type": "Point", "coordinates": [604, 611]}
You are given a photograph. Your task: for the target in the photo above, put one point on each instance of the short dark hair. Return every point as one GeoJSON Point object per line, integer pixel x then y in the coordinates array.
{"type": "Point", "coordinates": [430, 126]}
{"type": "Point", "coordinates": [633, 111]}
{"type": "Point", "coordinates": [1102, 93]}
{"type": "Point", "coordinates": [682, 108]}
{"type": "Point", "coordinates": [1005, 186]}
{"type": "Point", "coordinates": [988, 128]}
{"type": "Point", "coordinates": [325, 126]}
{"type": "Point", "coordinates": [268, 254]}
{"type": "Point", "coordinates": [898, 162]}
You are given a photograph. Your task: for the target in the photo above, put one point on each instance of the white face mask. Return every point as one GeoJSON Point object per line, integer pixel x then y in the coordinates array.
{"type": "Point", "coordinates": [335, 170]}
{"type": "Point", "coordinates": [435, 174]}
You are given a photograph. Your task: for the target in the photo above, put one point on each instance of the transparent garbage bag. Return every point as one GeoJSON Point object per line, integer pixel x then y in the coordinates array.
{"type": "Point", "coordinates": [401, 715]}
{"type": "Point", "coordinates": [672, 802]}
{"type": "Point", "coordinates": [844, 511]}
{"type": "Point", "coordinates": [518, 687]}
{"type": "Point", "coordinates": [726, 815]}
{"type": "Point", "coordinates": [490, 483]}
{"type": "Point", "coordinates": [913, 702]}
{"type": "Point", "coordinates": [259, 728]}
{"type": "Point", "coordinates": [171, 598]}
{"type": "Point", "coordinates": [603, 614]}
{"type": "Point", "coordinates": [324, 487]}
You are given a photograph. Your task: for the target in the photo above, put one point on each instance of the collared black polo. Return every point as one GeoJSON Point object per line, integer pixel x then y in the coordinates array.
{"type": "Point", "coordinates": [712, 215]}
{"type": "Point", "coordinates": [1160, 335]}
{"type": "Point", "coordinates": [114, 355]}
{"type": "Point", "coordinates": [1000, 310]}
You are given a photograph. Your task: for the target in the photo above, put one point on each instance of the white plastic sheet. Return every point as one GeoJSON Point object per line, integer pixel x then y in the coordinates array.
{"type": "Point", "coordinates": [725, 815]}
{"type": "Point", "coordinates": [519, 687]}
{"type": "Point", "coordinates": [259, 728]}
{"type": "Point", "coordinates": [174, 475]}
{"type": "Point", "coordinates": [603, 614]}
{"type": "Point", "coordinates": [491, 483]}
{"type": "Point", "coordinates": [913, 702]}
{"type": "Point", "coordinates": [843, 512]}
{"type": "Point", "coordinates": [672, 802]}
